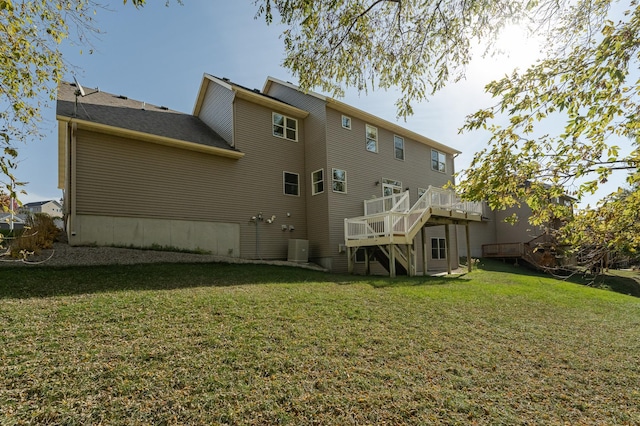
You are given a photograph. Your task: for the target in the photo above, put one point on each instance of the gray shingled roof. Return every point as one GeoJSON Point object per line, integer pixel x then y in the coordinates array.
{"type": "Point", "coordinates": [40, 203]}
{"type": "Point", "coordinates": [118, 111]}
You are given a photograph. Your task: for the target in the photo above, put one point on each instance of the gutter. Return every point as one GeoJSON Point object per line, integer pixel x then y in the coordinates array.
{"type": "Point", "coordinates": [161, 140]}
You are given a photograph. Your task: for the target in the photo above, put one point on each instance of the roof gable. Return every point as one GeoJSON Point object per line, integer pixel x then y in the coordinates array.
{"type": "Point", "coordinates": [251, 95]}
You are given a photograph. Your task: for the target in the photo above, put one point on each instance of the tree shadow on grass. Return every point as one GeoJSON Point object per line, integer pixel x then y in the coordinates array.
{"type": "Point", "coordinates": [25, 282]}
{"type": "Point", "coordinates": [624, 282]}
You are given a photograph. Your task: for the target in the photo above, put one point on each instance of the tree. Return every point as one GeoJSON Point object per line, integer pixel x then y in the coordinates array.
{"type": "Point", "coordinates": [607, 234]}
{"type": "Point", "coordinates": [415, 45]}
{"type": "Point", "coordinates": [31, 65]}
{"type": "Point", "coordinates": [588, 78]}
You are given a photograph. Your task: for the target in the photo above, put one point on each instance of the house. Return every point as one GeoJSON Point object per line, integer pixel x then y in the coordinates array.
{"type": "Point", "coordinates": [10, 221]}
{"type": "Point", "coordinates": [255, 173]}
{"type": "Point", "coordinates": [51, 207]}
{"type": "Point", "coordinates": [495, 237]}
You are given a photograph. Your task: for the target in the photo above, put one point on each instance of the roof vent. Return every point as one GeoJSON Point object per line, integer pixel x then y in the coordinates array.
{"type": "Point", "coordinates": [256, 90]}
{"type": "Point", "coordinates": [226, 79]}
{"type": "Point", "coordinates": [164, 108]}
{"type": "Point", "coordinates": [121, 97]}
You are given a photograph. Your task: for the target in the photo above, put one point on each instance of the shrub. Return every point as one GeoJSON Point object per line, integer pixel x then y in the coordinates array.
{"type": "Point", "coordinates": [39, 233]}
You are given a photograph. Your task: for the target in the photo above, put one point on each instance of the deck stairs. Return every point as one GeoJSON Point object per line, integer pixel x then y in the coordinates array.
{"type": "Point", "coordinates": [391, 223]}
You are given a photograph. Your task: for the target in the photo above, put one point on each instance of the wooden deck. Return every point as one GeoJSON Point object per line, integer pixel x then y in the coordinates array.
{"type": "Point", "coordinates": [504, 250]}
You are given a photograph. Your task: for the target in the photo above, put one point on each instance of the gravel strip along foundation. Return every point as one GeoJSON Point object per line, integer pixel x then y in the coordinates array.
{"type": "Point", "coordinates": [63, 254]}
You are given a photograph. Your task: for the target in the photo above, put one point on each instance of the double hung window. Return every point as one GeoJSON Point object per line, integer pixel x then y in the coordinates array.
{"type": "Point", "coordinates": [372, 138]}
{"type": "Point", "coordinates": [317, 181]}
{"type": "Point", "coordinates": [438, 248]}
{"type": "Point", "coordinates": [398, 147]}
{"type": "Point", "coordinates": [291, 183]}
{"type": "Point", "coordinates": [285, 127]}
{"type": "Point", "coordinates": [438, 161]}
{"type": "Point", "coordinates": [339, 180]}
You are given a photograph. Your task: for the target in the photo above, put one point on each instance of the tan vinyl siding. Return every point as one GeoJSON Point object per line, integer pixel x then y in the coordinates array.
{"type": "Point", "coordinates": [217, 111]}
{"type": "Point", "coordinates": [123, 177]}
{"type": "Point", "coordinates": [347, 151]}
{"type": "Point", "coordinates": [520, 232]}
{"type": "Point", "coordinates": [315, 158]}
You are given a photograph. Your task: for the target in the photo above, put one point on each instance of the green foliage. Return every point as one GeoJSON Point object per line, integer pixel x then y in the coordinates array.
{"type": "Point", "coordinates": [609, 233]}
{"type": "Point", "coordinates": [587, 81]}
{"type": "Point", "coordinates": [417, 46]}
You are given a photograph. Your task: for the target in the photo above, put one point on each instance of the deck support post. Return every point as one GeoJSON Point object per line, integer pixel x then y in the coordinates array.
{"type": "Point", "coordinates": [447, 244]}
{"type": "Point", "coordinates": [367, 261]}
{"type": "Point", "coordinates": [349, 260]}
{"type": "Point", "coordinates": [392, 261]}
{"type": "Point", "coordinates": [423, 231]}
{"type": "Point", "coordinates": [466, 228]}
{"type": "Point", "coordinates": [409, 260]}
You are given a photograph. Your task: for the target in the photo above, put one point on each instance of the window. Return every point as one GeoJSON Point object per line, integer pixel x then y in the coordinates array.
{"type": "Point", "coordinates": [438, 248]}
{"type": "Point", "coordinates": [361, 255]}
{"type": "Point", "coordinates": [390, 187]}
{"type": "Point", "coordinates": [398, 145]}
{"type": "Point", "coordinates": [339, 180]}
{"type": "Point", "coordinates": [291, 183]}
{"type": "Point", "coordinates": [285, 127]}
{"type": "Point", "coordinates": [438, 161]}
{"type": "Point", "coordinates": [372, 139]}
{"type": "Point", "coordinates": [346, 122]}
{"type": "Point", "coordinates": [317, 180]}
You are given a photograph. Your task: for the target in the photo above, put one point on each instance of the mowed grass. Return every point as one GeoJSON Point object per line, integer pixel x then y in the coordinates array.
{"type": "Point", "coordinates": [239, 344]}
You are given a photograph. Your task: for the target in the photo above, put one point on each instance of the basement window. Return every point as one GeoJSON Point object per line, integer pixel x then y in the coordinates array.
{"type": "Point", "coordinates": [438, 248]}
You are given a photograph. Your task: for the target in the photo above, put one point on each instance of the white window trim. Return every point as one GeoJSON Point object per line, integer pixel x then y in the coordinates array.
{"type": "Point", "coordinates": [439, 248]}
{"type": "Point", "coordinates": [284, 184]}
{"type": "Point", "coordinates": [393, 183]}
{"type": "Point", "coordinates": [394, 147]}
{"type": "Point", "coordinates": [444, 162]}
{"type": "Point", "coordinates": [334, 180]}
{"type": "Point", "coordinates": [285, 117]}
{"type": "Point", "coordinates": [366, 138]}
{"type": "Point", "coordinates": [342, 122]}
{"type": "Point", "coordinates": [313, 182]}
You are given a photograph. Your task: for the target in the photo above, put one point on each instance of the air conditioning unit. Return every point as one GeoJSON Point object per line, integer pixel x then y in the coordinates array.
{"type": "Point", "coordinates": [298, 251]}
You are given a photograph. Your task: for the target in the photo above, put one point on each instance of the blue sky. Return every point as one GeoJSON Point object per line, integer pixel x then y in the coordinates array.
{"type": "Point", "coordinates": [158, 54]}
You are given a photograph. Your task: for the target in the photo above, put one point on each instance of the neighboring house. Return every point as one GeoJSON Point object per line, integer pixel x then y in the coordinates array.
{"type": "Point", "coordinates": [51, 207]}
{"type": "Point", "coordinates": [495, 237]}
{"type": "Point", "coordinates": [255, 173]}
{"type": "Point", "coordinates": [9, 221]}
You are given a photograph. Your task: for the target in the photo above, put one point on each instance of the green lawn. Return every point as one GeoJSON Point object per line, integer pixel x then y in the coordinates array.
{"type": "Point", "coordinates": [239, 344]}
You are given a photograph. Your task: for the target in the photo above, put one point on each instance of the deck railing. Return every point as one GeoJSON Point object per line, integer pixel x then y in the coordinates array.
{"type": "Point", "coordinates": [393, 202]}
{"type": "Point", "coordinates": [391, 215]}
